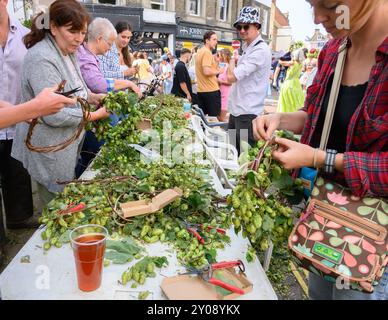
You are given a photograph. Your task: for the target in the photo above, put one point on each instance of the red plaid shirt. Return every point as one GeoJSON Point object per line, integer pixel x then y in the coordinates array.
{"type": "Point", "coordinates": [366, 156]}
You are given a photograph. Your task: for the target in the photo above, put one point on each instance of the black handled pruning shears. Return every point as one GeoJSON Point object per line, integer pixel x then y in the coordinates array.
{"type": "Point", "coordinates": [61, 89]}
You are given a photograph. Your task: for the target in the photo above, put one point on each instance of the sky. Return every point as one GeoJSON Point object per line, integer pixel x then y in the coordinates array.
{"type": "Point", "coordinates": [301, 18]}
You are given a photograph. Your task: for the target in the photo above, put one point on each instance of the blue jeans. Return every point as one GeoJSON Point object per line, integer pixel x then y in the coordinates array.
{"type": "Point", "coordinates": [320, 289]}
{"type": "Point", "coordinates": [90, 148]}
{"type": "Point", "coordinates": [167, 87]}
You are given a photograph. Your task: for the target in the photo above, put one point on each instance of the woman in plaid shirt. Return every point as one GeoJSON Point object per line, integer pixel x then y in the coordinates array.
{"type": "Point", "coordinates": [359, 132]}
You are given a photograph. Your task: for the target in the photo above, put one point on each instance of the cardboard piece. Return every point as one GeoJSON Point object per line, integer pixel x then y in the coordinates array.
{"type": "Point", "coordinates": [144, 124]}
{"type": "Point", "coordinates": [187, 287]}
{"type": "Point", "coordinates": [141, 207]}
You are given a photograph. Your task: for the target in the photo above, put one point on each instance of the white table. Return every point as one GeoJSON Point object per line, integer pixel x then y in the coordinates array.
{"type": "Point", "coordinates": [52, 275]}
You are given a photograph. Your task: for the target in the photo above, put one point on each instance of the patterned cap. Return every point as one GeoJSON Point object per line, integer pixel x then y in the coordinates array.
{"type": "Point", "coordinates": [248, 15]}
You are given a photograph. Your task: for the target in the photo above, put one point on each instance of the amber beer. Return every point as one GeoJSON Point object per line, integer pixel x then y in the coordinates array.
{"type": "Point", "coordinates": [88, 244]}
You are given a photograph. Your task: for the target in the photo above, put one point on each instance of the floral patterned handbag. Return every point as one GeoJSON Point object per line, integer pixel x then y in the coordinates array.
{"type": "Point", "coordinates": [339, 236]}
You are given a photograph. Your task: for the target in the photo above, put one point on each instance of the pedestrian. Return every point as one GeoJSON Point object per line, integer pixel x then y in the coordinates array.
{"type": "Point", "coordinates": [291, 96]}
{"type": "Point", "coordinates": [280, 70]}
{"type": "Point", "coordinates": [144, 69]}
{"type": "Point", "coordinates": [166, 75]}
{"type": "Point", "coordinates": [49, 60]}
{"type": "Point", "coordinates": [117, 62]}
{"type": "Point", "coordinates": [310, 69]}
{"type": "Point", "coordinates": [101, 36]}
{"type": "Point", "coordinates": [193, 77]}
{"type": "Point", "coordinates": [358, 142]}
{"type": "Point", "coordinates": [249, 77]}
{"type": "Point", "coordinates": [182, 82]}
{"type": "Point", "coordinates": [225, 85]}
{"type": "Point", "coordinates": [207, 70]}
{"type": "Point", "coordinates": [15, 180]}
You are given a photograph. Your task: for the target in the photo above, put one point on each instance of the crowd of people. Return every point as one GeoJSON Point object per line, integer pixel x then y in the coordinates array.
{"type": "Point", "coordinates": [95, 57]}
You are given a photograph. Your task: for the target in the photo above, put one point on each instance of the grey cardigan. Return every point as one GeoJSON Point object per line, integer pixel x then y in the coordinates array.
{"type": "Point", "coordinates": [44, 67]}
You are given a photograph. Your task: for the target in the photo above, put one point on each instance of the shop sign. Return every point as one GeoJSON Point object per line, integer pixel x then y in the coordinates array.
{"type": "Point", "coordinates": [191, 33]}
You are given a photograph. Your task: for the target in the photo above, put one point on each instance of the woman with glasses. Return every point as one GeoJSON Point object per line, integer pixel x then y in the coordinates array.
{"type": "Point", "coordinates": [117, 62]}
{"type": "Point", "coordinates": [101, 37]}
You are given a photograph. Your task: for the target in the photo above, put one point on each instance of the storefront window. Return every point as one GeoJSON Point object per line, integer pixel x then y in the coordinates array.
{"type": "Point", "coordinates": [105, 1]}
{"type": "Point", "coordinates": [194, 7]}
{"type": "Point", "coordinates": [158, 4]}
{"type": "Point", "coordinates": [224, 9]}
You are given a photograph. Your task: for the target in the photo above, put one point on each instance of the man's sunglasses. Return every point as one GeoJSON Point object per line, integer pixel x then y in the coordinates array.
{"type": "Point", "coordinates": [245, 27]}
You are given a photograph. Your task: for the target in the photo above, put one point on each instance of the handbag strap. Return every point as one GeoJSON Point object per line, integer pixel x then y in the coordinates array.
{"type": "Point", "coordinates": [339, 70]}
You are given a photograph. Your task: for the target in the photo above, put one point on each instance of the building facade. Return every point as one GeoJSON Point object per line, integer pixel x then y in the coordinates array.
{"type": "Point", "coordinates": [281, 31]}
{"type": "Point", "coordinates": [317, 41]}
{"type": "Point", "coordinates": [196, 17]}
{"type": "Point", "coordinates": [176, 23]}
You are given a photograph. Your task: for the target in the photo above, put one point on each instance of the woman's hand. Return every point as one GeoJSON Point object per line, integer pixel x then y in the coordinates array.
{"type": "Point", "coordinates": [265, 126]}
{"type": "Point", "coordinates": [130, 72]}
{"type": "Point", "coordinates": [294, 155]}
{"type": "Point", "coordinates": [48, 102]}
{"type": "Point", "coordinates": [98, 114]}
{"type": "Point", "coordinates": [137, 90]}
{"type": "Point", "coordinates": [96, 98]}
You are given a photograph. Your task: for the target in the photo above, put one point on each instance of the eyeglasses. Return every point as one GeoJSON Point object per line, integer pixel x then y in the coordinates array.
{"type": "Point", "coordinates": [245, 27]}
{"type": "Point", "coordinates": [108, 43]}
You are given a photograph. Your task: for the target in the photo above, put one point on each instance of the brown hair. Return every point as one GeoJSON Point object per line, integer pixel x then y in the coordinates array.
{"type": "Point", "coordinates": [184, 51]}
{"type": "Point", "coordinates": [367, 6]}
{"type": "Point", "coordinates": [207, 36]}
{"type": "Point", "coordinates": [141, 55]}
{"type": "Point", "coordinates": [226, 55]}
{"type": "Point", "coordinates": [61, 13]}
{"type": "Point", "coordinates": [121, 27]}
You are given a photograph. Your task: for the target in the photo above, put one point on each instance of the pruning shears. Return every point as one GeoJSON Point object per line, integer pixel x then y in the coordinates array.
{"type": "Point", "coordinates": [194, 227]}
{"type": "Point", "coordinates": [61, 89]}
{"type": "Point", "coordinates": [74, 208]}
{"type": "Point", "coordinates": [206, 274]}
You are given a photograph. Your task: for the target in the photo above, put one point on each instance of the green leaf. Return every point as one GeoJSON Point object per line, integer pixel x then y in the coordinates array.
{"type": "Point", "coordinates": [160, 261]}
{"type": "Point", "coordinates": [355, 250]}
{"type": "Point", "coordinates": [365, 211]}
{"type": "Point", "coordinates": [382, 218]}
{"type": "Point", "coordinates": [142, 174]}
{"type": "Point", "coordinates": [118, 257]}
{"type": "Point", "coordinates": [370, 201]}
{"type": "Point", "coordinates": [385, 206]}
{"type": "Point", "coordinates": [336, 242]}
{"type": "Point", "coordinates": [251, 179]}
{"type": "Point", "coordinates": [211, 255]}
{"type": "Point", "coordinates": [171, 236]}
{"type": "Point", "coordinates": [268, 223]}
{"type": "Point", "coordinates": [127, 246]}
{"type": "Point", "coordinates": [284, 181]}
{"type": "Point", "coordinates": [250, 257]}
{"type": "Point", "coordinates": [144, 188]}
